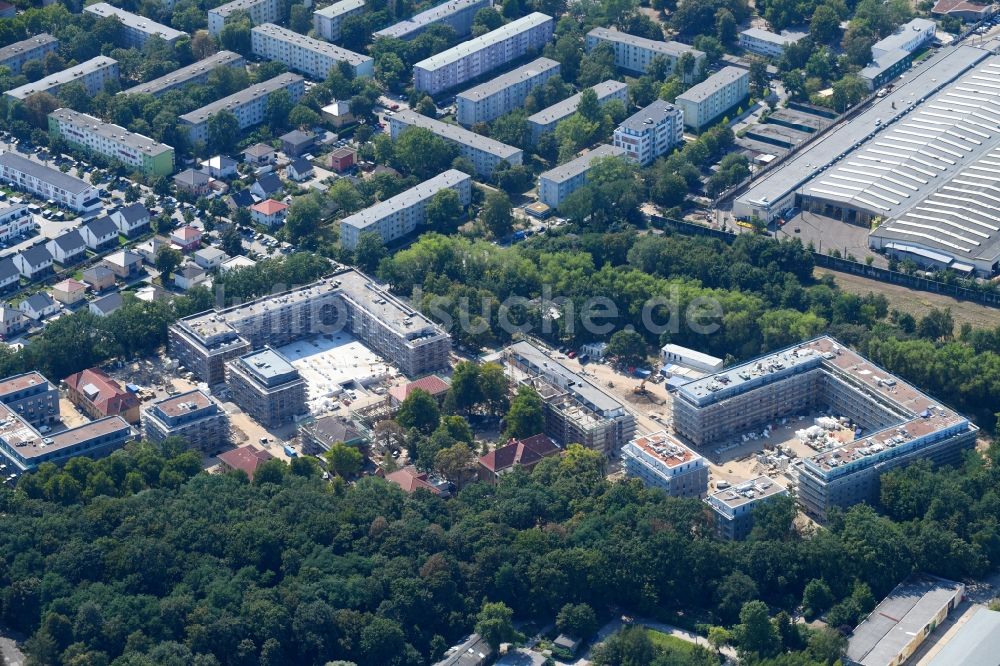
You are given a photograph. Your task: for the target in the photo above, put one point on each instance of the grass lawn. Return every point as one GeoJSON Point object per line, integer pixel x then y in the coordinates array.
{"type": "Point", "coordinates": [669, 643]}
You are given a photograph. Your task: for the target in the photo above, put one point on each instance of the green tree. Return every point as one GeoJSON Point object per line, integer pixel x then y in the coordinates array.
{"type": "Point", "coordinates": [279, 106]}
{"type": "Point", "coordinates": [303, 220]}
{"type": "Point", "coordinates": [443, 212]}
{"type": "Point", "coordinates": [494, 623]}
{"type": "Point", "coordinates": [419, 410]}
{"type": "Point", "coordinates": [343, 460]}
{"type": "Point", "coordinates": [816, 597]}
{"type": "Point", "coordinates": [755, 635]}
{"type": "Point", "coordinates": [628, 347]}
{"type": "Point", "coordinates": [454, 462]}
{"type": "Point", "coordinates": [497, 214]}
{"type": "Point", "coordinates": [422, 153]}
{"type": "Point", "coordinates": [370, 251]}
{"type": "Point", "coordinates": [168, 259]}
{"type": "Point", "coordinates": [577, 620]}
{"type": "Point", "coordinates": [526, 416]}
{"type": "Point", "coordinates": [824, 25]}
{"type": "Point", "coordinates": [223, 131]}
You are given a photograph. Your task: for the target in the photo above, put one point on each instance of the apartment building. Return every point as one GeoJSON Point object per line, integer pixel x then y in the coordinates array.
{"type": "Point", "coordinates": [546, 120]}
{"type": "Point", "coordinates": [400, 215]}
{"type": "Point", "coordinates": [15, 220]}
{"type": "Point", "coordinates": [484, 153]}
{"type": "Point", "coordinates": [733, 508]}
{"type": "Point", "coordinates": [192, 415]}
{"type": "Point", "coordinates": [556, 184]}
{"type": "Point", "coordinates": [48, 183]}
{"type": "Point", "coordinates": [326, 21]}
{"type": "Point", "coordinates": [660, 461]}
{"type": "Point", "coordinates": [150, 157]}
{"type": "Point", "coordinates": [32, 397]}
{"type": "Point", "coordinates": [345, 300]}
{"type": "Point", "coordinates": [93, 74]}
{"type": "Point", "coordinates": [711, 99]}
{"type": "Point", "coordinates": [459, 14]}
{"type": "Point", "coordinates": [134, 30]}
{"type": "Point", "coordinates": [267, 386]}
{"type": "Point", "coordinates": [483, 54]}
{"type": "Point", "coordinates": [636, 54]}
{"type": "Point", "coordinates": [13, 56]}
{"type": "Point", "coordinates": [651, 132]}
{"type": "Point", "coordinates": [249, 106]}
{"type": "Point", "coordinates": [908, 37]}
{"type": "Point", "coordinates": [98, 395]}
{"type": "Point", "coordinates": [576, 411]}
{"type": "Point", "coordinates": [197, 72]}
{"type": "Point", "coordinates": [488, 101]}
{"type": "Point", "coordinates": [306, 55]}
{"type": "Point", "coordinates": [769, 44]}
{"type": "Point", "coordinates": [260, 11]}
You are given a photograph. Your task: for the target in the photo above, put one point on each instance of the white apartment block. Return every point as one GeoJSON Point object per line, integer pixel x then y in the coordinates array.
{"type": "Point", "coordinates": [556, 184]}
{"type": "Point", "coordinates": [260, 11]}
{"type": "Point", "coordinates": [48, 183]}
{"type": "Point", "coordinates": [661, 461]}
{"type": "Point", "coordinates": [713, 97]}
{"type": "Point", "coordinates": [402, 214]}
{"type": "Point", "coordinates": [13, 56]}
{"type": "Point", "coordinates": [651, 132]}
{"type": "Point", "coordinates": [326, 21]}
{"type": "Point", "coordinates": [908, 37]}
{"type": "Point", "coordinates": [637, 53]}
{"type": "Point", "coordinates": [546, 120]}
{"type": "Point", "coordinates": [135, 30]}
{"type": "Point", "coordinates": [15, 220]}
{"type": "Point", "coordinates": [112, 141]}
{"type": "Point", "coordinates": [306, 55]}
{"type": "Point", "coordinates": [249, 106]}
{"type": "Point", "coordinates": [484, 153]}
{"type": "Point", "coordinates": [194, 73]}
{"type": "Point", "coordinates": [483, 54]}
{"type": "Point", "coordinates": [769, 44]}
{"type": "Point", "coordinates": [94, 74]}
{"type": "Point", "coordinates": [459, 14]}
{"type": "Point", "coordinates": [488, 101]}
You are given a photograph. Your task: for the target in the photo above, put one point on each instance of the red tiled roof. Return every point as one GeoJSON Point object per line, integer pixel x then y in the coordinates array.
{"type": "Point", "coordinates": [247, 458]}
{"type": "Point", "coordinates": [269, 207]}
{"type": "Point", "coordinates": [949, 6]}
{"type": "Point", "coordinates": [187, 233]}
{"type": "Point", "coordinates": [431, 383]}
{"type": "Point", "coordinates": [110, 400]}
{"type": "Point", "coordinates": [69, 285]}
{"type": "Point", "coordinates": [526, 451]}
{"type": "Point", "coordinates": [409, 479]}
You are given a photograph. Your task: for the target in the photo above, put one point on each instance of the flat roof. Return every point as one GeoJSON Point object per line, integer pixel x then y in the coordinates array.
{"type": "Point", "coordinates": [568, 106]}
{"type": "Point", "coordinates": [691, 354]}
{"type": "Point", "coordinates": [671, 48]}
{"type": "Point", "coordinates": [455, 133]}
{"type": "Point", "coordinates": [926, 78]}
{"type": "Point", "coordinates": [238, 99]}
{"type": "Point", "coordinates": [568, 380]}
{"type": "Point", "coordinates": [180, 76]}
{"type": "Point", "coordinates": [61, 78]}
{"type": "Point", "coordinates": [724, 77]}
{"type": "Point", "coordinates": [905, 32]}
{"type": "Point", "coordinates": [504, 81]}
{"type": "Point", "coordinates": [422, 192]}
{"type": "Point", "coordinates": [665, 448]}
{"type": "Point", "coordinates": [236, 5]}
{"type": "Point", "coordinates": [17, 48]}
{"type": "Point", "coordinates": [747, 492]}
{"type": "Point", "coordinates": [268, 365]}
{"type": "Point", "coordinates": [882, 637]}
{"type": "Point", "coordinates": [115, 133]}
{"type": "Point", "coordinates": [977, 642]}
{"type": "Point", "coordinates": [20, 382]}
{"type": "Point", "coordinates": [340, 8]}
{"type": "Point", "coordinates": [315, 46]}
{"type": "Point", "coordinates": [184, 403]}
{"type": "Point", "coordinates": [786, 37]}
{"type": "Point", "coordinates": [456, 53]}
{"type": "Point", "coordinates": [428, 17]}
{"type": "Point", "coordinates": [575, 167]}
{"type": "Point", "coordinates": [134, 21]}
{"type": "Point", "coordinates": [649, 116]}
{"type": "Point", "coordinates": [49, 175]}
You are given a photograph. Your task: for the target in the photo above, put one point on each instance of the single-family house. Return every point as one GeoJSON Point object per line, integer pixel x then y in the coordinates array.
{"type": "Point", "coordinates": [99, 278]}
{"type": "Point", "coordinates": [219, 166]}
{"type": "Point", "coordinates": [99, 396]}
{"type": "Point", "coordinates": [187, 238]}
{"type": "Point", "coordinates": [69, 291]}
{"type": "Point", "coordinates": [150, 248]}
{"type": "Point", "coordinates": [342, 159]}
{"type": "Point", "coordinates": [299, 170]}
{"type": "Point", "coordinates": [410, 480]}
{"type": "Point", "coordinates": [151, 293]}
{"type": "Point", "coordinates": [189, 277]}
{"type": "Point", "coordinates": [10, 276]}
{"type": "Point", "coordinates": [193, 182]}
{"type": "Point", "coordinates": [67, 248]}
{"type": "Point", "coordinates": [246, 458]}
{"type": "Point", "coordinates": [12, 321]}
{"type": "Point", "coordinates": [34, 262]}
{"type": "Point", "coordinates": [269, 212]}
{"type": "Point", "coordinates": [100, 233]}
{"type": "Point", "coordinates": [338, 113]}
{"type": "Point", "coordinates": [239, 199]}
{"type": "Point", "coordinates": [239, 261]}
{"type": "Point", "coordinates": [132, 220]}
{"type": "Point", "coordinates": [266, 186]}
{"type": "Point", "coordinates": [124, 264]}
{"type": "Point", "coordinates": [105, 305]}
{"type": "Point", "coordinates": [209, 258]}
{"type": "Point", "coordinates": [524, 453]}
{"type": "Point", "coordinates": [297, 142]}
{"type": "Point", "coordinates": [258, 155]}
{"type": "Point", "coordinates": [38, 306]}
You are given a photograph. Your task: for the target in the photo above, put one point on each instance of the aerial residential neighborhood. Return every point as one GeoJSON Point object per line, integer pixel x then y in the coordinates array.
{"type": "Point", "coordinates": [466, 333]}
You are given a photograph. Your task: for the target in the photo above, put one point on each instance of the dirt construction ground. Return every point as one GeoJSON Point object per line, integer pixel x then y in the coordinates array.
{"type": "Point", "coordinates": [917, 302]}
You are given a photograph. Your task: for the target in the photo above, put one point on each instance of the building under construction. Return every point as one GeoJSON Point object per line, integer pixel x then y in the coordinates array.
{"type": "Point", "coordinates": [576, 411]}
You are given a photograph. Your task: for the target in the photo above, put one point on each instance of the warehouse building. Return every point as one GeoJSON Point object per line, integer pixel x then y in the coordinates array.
{"type": "Point", "coordinates": [546, 120]}
{"type": "Point", "coordinates": [483, 54]}
{"type": "Point", "coordinates": [197, 72]}
{"type": "Point", "coordinates": [306, 55]}
{"type": "Point", "coordinates": [400, 215]}
{"type": "Point", "coordinates": [769, 44]}
{"type": "Point", "coordinates": [650, 132]}
{"type": "Point", "coordinates": [13, 56]}
{"type": "Point", "coordinates": [134, 30]}
{"type": "Point", "coordinates": [488, 101]}
{"type": "Point", "coordinates": [249, 106]}
{"type": "Point", "coordinates": [93, 74]}
{"type": "Point", "coordinates": [113, 142]}
{"type": "Point", "coordinates": [556, 184]}
{"type": "Point", "coordinates": [260, 11]}
{"type": "Point", "coordinates": [660, 461]}
{"type": "Point", "coordinates": [976, 643]}
{"type": "Point", "coordinates": [326, 21]}
{"type": "Point", "coordinates": [484, 153]}
{"type": "Point", "coordinates": [714, 97]}
{"type": "Point", "coordinates": [267, 386]}
{"type": "Point", "coordinates": [192, 415]}
{"type": "Point", "coordinates": [733, 508]}
{"type": "Point", "coordinates": [636, 54]}
{"type": "Point", "coordinates": [458, 14]}
{"type": "Point", "coordinates": [48, 183]}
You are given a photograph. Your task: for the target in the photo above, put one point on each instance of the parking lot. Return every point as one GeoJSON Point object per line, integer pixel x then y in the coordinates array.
{"type": "Point", "coordinates": [828, 234]}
